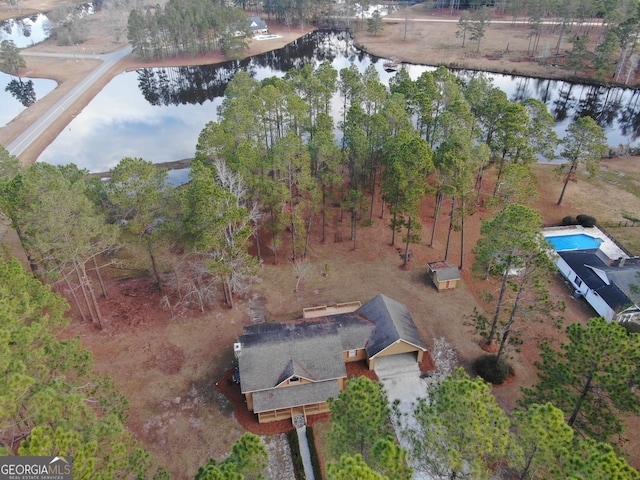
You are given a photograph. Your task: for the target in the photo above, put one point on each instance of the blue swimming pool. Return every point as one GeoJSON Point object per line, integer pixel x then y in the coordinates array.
{"type": "Point", "coordinates": [577, 241]}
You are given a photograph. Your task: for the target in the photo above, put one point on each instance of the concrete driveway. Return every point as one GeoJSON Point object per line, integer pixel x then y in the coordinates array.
{"type": "Point", "coordinates": [400, 376]}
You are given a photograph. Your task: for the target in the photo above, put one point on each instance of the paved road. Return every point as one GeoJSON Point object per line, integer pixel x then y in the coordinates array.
{"type": "Point", "coordinates": [520, 21]}
{"type": "Point", "coordinates": [36, 129]}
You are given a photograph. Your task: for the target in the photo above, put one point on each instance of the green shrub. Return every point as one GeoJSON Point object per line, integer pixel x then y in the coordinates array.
{"type": "Point", "coordinates": [296, 458]}
{"type": "Point", "coordinates": [367, 222]}
{"type": "Point", "coordinates": [586, 220]}
{"type": "Point", "coordinates": [569, 220]}
{"type": "Point", "coordinates": [490, 370]}
{"type": "Point", "coordinates": [315, 459]}
{"type": "Point", "coordinates": [631, 327]}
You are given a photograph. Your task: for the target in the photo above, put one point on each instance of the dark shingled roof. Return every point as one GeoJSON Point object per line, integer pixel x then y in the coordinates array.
{"type": "Point", "coordinates": [286, 397]}
{"type": "Point", "coordinates": [354, 330]}
{"type": "Point", "coordinates": [294, 369]}
{"type": "Point", "coordinates": [256, 23]}
{"type": "Point", "coordinates": [310, 350]}
{"type": "Point", "coordinates": [593, 272]}
{"type": "Point", "coordinates": [393, 322]}
{"type": "Point", "coordinates": [272, 353]}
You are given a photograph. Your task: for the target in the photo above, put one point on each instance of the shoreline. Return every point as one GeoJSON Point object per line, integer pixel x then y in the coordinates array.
{"type": "Point", "coordinates": [70, 71]}
{"type": "Point", "coordinates": [168, 165]}
{"type": "Point", "coordinates": [426, 38]}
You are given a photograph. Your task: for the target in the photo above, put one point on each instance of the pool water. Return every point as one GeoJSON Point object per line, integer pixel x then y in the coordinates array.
{"type": "Point", "coordinates": [266, 37]}
{"type": "Point", "coordinates": [577, 241]}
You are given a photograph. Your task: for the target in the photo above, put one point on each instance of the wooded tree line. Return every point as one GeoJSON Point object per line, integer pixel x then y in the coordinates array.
{"type": "Point", "coordinates": [193, 27]}
{"type": "Point", "coordinates": [274, 162]}
{"type": "Point", "coordinates": [52, 402]}
{"type": "Point", "coordinates": [68, 228]}
{"type": "Point", "coordinates": [435, 135]}
{"type": "Point", "coordinates": [614, 56]}
{"type": "Point", "coordinates": [201, 26]}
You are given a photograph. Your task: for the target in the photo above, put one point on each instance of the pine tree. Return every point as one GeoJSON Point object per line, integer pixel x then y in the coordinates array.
{"type": "Point", "coordinates": [512, 249]}
{"type": "Point", "coordinates": [584, 144]}
{"type": "Point", "coordinates": [459, 429]}
{"type": "Point", "coordinates": [52, 402]}
{"type": "Point", "coordinates": [591, 378]}
{"type": "Point", "coordinates": [359, 417]}
{"type": "Point", "coordinates": [138, 193]}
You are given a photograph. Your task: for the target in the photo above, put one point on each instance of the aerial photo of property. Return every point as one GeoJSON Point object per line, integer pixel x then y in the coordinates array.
{"type": "Point", "coordinates": [327, 239]}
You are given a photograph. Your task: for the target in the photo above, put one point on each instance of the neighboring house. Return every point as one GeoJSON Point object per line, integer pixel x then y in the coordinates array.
{"type": "Point", "coordinates": [291, 369]}
{"type": "Point", "coordinates": [257, 26]}
{"type": "Point", "coordinates": [612, 287]}
{"type": "Point", "coordinates": [444, 275]}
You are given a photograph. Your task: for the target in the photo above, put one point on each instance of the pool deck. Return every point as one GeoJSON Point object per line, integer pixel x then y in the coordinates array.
{"type": "Point", "coordinates": [607, 246]}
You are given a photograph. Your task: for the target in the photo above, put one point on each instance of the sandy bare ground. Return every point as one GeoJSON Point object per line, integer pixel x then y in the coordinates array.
{"type": "Point", "coordinates": [167, 365]}
{"type": "Point", "coordinates": [429, 37]}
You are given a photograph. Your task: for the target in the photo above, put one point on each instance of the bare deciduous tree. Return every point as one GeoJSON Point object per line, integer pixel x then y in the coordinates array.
{"type": "Point", "coordinates": [301, 268]}
{"type": "Point", "coordinates": [191, 283]}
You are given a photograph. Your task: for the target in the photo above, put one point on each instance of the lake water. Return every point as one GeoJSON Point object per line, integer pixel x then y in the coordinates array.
{"type": "Point", "coordinates": [27, 31]}
{"type": "Point", "coordinates": [11, 106]}
{"type": "Point", "coordinates": [157, 114]}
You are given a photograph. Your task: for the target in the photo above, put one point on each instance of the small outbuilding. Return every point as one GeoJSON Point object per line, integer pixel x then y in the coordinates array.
{"type": "Point", "coordinates": [444, 275]}
{"type": "Point", "coordinates": [258, 26]}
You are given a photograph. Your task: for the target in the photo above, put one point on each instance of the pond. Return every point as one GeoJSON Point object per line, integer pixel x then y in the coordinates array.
{"type": "Point", "coordinates": [12, 103]}
{"type": "Point", "coordinates": [157, 114]}
{"type": "Point", "coordinates": [27, 31]}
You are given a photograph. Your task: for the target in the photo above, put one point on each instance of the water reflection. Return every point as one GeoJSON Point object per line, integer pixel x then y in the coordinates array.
{"type": "Point", "coordinates": [613, 108]}
{"type": "Point", "coordinates": [15, 91]}
{"type": "Point", "coordinates": [198, 84]}
{"type": "Point", "coordinates": [27, 31]}
{"type": "Point", "coordinates": [23, 91]}
{"type": "Point", "coordinates": [158, 113]}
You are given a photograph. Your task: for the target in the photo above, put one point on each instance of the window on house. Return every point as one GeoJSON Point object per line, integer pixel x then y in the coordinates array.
{"type": "Point", "coordinates": [578, 281]}
{"type": "Point", "coordinates": [294, 380]}
{"type": "Point", "coordinates": [351, 354]}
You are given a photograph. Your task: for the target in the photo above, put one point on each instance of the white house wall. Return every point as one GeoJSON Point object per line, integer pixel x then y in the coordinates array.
{"type": "Point", "coordinates": [599, 305]}
{"type": "Point", "coordinates": [595, 300]}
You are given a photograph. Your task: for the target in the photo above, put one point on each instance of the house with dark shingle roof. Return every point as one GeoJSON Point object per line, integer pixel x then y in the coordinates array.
{"type": "Point", "coordinates": [611, 287]}
{"type": "Point", "coordinates": [291, 369]}
{"type": "Point", "coordinates": [257, 26]}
